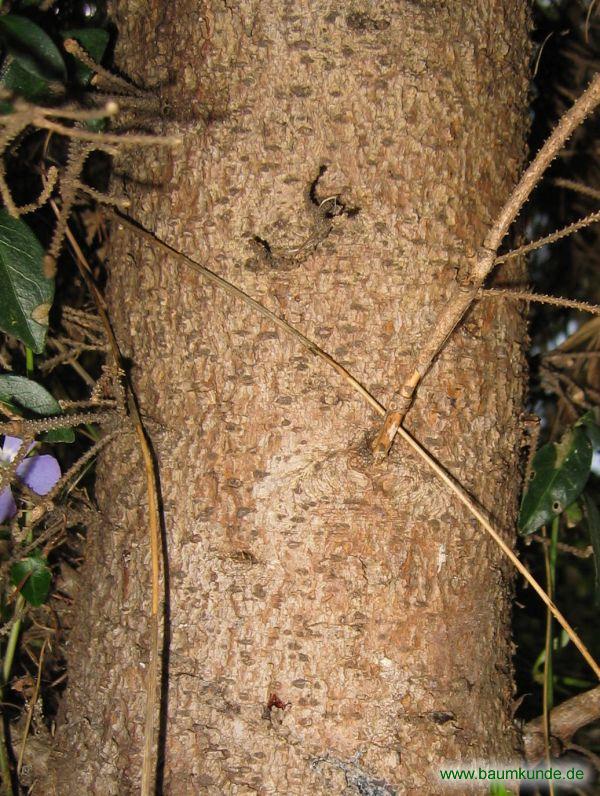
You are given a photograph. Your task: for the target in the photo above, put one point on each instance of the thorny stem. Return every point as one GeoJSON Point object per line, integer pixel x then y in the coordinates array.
{"type": "Point", "coordinates": [447, 479]}
{"type": "Point", "coordinates": [578, 187]}
{"type": "Point", "coordinates": [31, 427]}
{"type": "Point", "coordinates": [483, 263]}
{"type": "Point", "coordinates": [106, 138]}
{"type": "Point", "coordinates": [540, 298]}
{"type": "Point", "coordinates": [73, 47]}
{"type": "Point", "coordinates": [592, 218]}
{"type": "Point", "coordinates": [76, 468]}
{"type": "Point", "coordinates": [582, 108]}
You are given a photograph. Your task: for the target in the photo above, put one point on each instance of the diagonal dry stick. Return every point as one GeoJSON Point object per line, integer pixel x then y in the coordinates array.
{"type": "Point", "coordinates": [447, 479]}
{"type": "Point", "coordinates": [483, 262]}
{"type": "Point", "coordinates": [232, 290]}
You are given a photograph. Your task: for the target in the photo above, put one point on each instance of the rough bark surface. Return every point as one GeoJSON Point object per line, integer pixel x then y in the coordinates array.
{"type": "Point", "coordinates": [360, 594]}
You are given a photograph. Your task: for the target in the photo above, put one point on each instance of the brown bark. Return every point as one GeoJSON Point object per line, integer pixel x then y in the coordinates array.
{"type": "Point", "coordinates": [336, 625]}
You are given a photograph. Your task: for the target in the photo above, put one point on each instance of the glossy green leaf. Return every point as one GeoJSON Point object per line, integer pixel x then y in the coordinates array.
{"type": "Point", "coordinates": [32, 48]}
{"type": "Point", "coordinates": [561, 470]}
{"type": "Point", "coordinates": [26, 295]}
{"type": "Point", "coordinates": [59, 435]}
{"type": "Point", "coordinates": [23, 83]}
{"type": "Point", "coordinates": [94, 41]}
{"type": "Point", "coordinates": [28, 394]}
{"type": "Point", "coordinates": [593, 523]}
{"type": "Point", "coordinates": [32, 576]}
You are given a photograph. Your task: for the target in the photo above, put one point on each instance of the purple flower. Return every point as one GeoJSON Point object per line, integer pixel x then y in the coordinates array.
{"type": "Point", "coordinates": [39, 473]}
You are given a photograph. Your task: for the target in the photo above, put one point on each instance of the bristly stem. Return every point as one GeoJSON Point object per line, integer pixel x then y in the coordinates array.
{"type": "Point", "coordinates": [567, 124]}
{"type": "Point", "coordinates": [482, 264]}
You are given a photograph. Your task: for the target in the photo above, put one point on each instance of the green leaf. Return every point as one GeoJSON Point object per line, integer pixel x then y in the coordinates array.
{"type": "Point", "coordinates": [574, 514]}
{"type": "Point", "coordinates": [33, 576]}
{"type": "Point", "coordinates": [26, 295]}
{"type": "Point", "coordinates": [23, 83]}
{"type": "Point", "coordinates": [59, 435]}
{"type": "Point", "coordinates": [32, 48]}
{"type": "Point", "coordinates": [94, 41]}
{"type": "Point", "coordinates": [561, 470]}
{"type": "Point", "coordinates": [593, 524]}
{"type": "Point", "coordinates": [28, 394]}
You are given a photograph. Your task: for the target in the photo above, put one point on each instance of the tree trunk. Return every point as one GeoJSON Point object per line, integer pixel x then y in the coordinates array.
{"type": "Point", "coordinates": [335, 625]}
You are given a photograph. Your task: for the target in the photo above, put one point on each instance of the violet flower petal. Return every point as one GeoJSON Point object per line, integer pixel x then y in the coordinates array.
{"type": "Point", "coordinates": [10, 448]}
{"type": "Point", "coordinates": [8, 507]}
{"type": "Point", "coordinates": [40, 473]}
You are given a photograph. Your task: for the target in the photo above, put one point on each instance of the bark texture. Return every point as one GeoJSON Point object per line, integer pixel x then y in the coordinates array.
{"type": "Point", "coordinates": [360, 595]}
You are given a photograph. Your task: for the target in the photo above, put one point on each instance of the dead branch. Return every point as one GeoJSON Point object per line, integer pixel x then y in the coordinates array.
{"type": "Point", "coordinates": [565, 720]}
